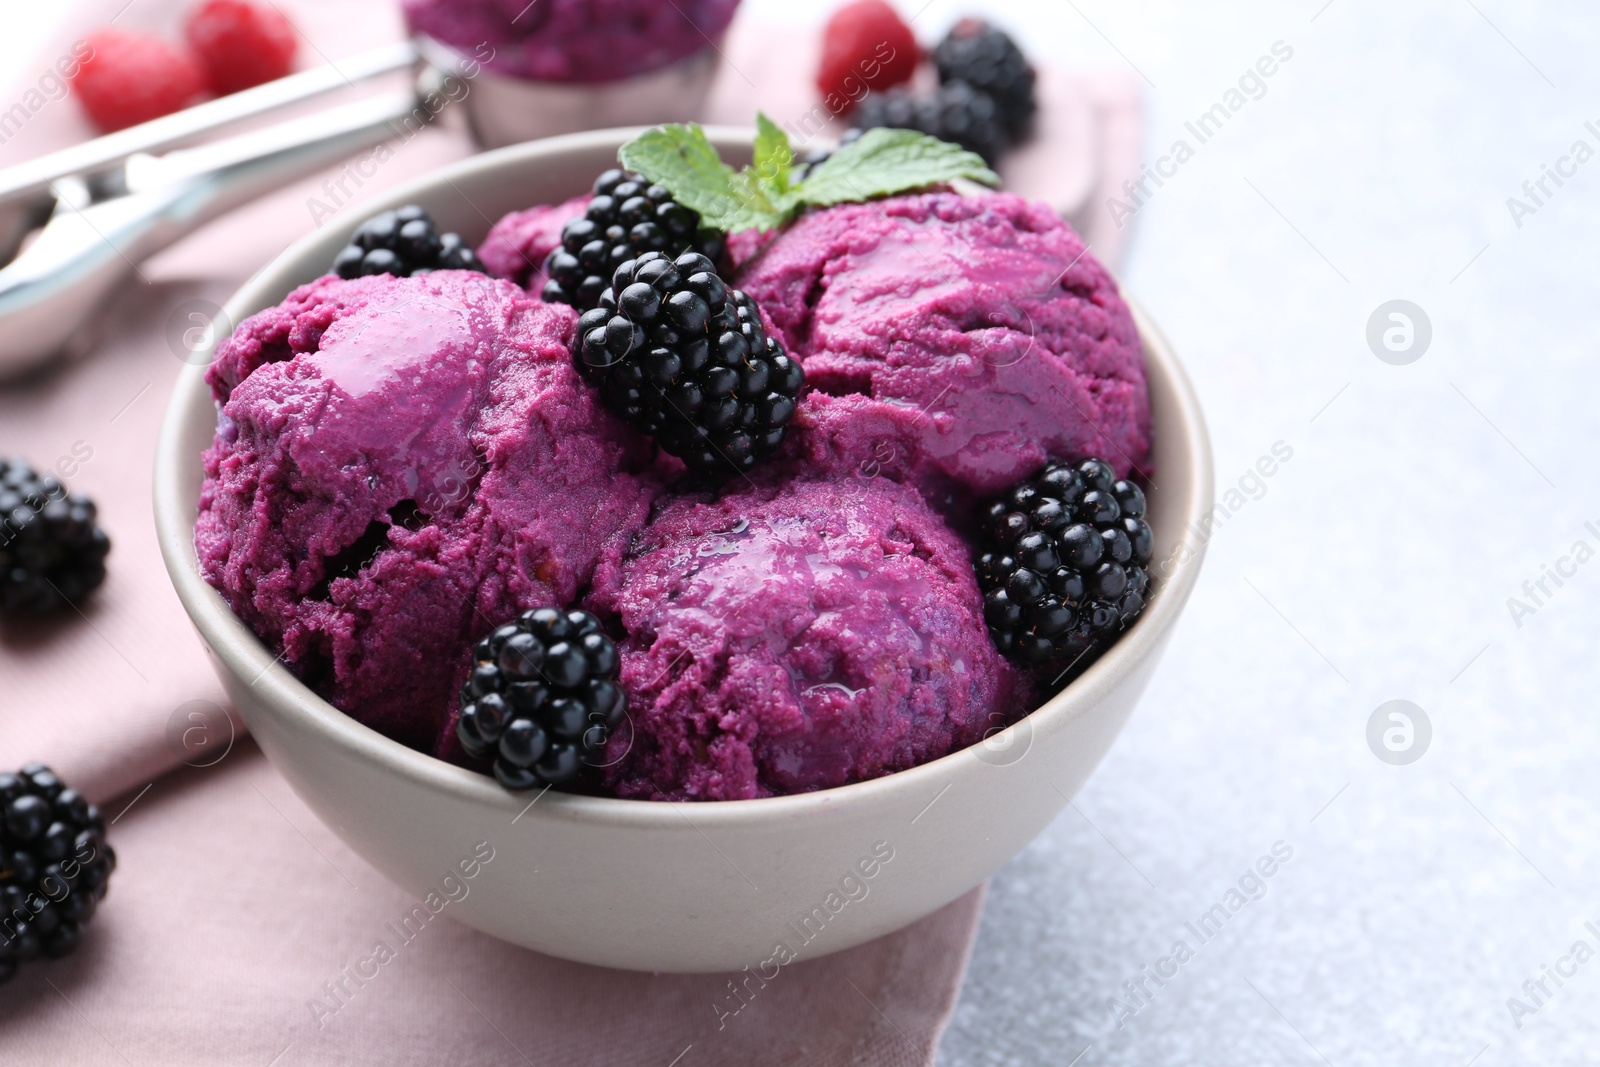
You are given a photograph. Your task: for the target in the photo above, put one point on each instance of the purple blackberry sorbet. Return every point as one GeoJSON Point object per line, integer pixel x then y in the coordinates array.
{"type": "Point", "coordinates": [573, 40]}
{"type": "Point", "coordinates": [402, 464]}
{"type": "Point", "coordinates": [956, 342]}
{"type": "Point", "coordinates": [798, 636]}
{"type": "Point", "coordinates": [518, 244]}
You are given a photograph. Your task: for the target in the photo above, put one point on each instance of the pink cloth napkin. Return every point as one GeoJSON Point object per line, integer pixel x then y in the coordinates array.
{"type": "Point", "coordinates": [236, 921]}
{"type": "Point", "coordinates": [235, 914]}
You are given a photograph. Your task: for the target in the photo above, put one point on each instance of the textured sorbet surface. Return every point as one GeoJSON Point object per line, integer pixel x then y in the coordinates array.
{"type": "Point", "coordinates": [798, 636]}
{"type": "Point", "coordinates": [573, 40]}
{"type": "Point", "coordinates": [518, 244]}
{"type": "Point", "coordinates": [401, 464]}
{"type": "Point", "coordinates": [954, 342]}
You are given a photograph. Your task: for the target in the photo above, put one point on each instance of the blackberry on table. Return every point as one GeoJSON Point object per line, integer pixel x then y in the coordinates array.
{"type": "Point", "coordinates": [403, 242]}
{"type": "Point", "coordinates": [986, 58]}
{"type": "Point", "coordinates": [1063, 565]}
{"type": "Point", "coordinates": [684, 358]}
{"type": "Point", "coordinates": [627, 217]}
{"type": "Point", "coordinates": [957, 113]}
{"type": "Point", "coordinates": [54, 866]}
{"type": "Point", "coordinates": [52, 551]}
{"type": "Point", "coordinates": [542, 697]}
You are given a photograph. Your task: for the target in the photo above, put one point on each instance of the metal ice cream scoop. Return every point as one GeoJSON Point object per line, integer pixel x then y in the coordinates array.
{"type": "Point", "coordinates": [96, 210]}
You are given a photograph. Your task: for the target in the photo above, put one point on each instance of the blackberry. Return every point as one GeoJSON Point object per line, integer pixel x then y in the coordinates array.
{"type": "Point", "coordinates": [54, 866]}
{"type": "Point", "coordinates": [818, 156]}
{"type": "Point", "coordinates": [1063, 565]}
{"type": "Point", "coordinates": [51, 550]}
{"type": "Point", "coordinates": [542, 697]}
{"type": "Point", "coordinates": [682, 357]}
{"type": "Point", "coordinates": [627, 217]}
{"type": "Point", "coordinates": [812, 160]}
{"type": "Point", "coordinates": [986, 58]}
{"type": "Point", "coordinates": [403, 242]}
{"type": "Point", "coordinates": [957, 113]}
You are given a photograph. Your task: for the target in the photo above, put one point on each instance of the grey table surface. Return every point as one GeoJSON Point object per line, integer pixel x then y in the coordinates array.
{"type": "Point", "coordinates": [1376, 564]}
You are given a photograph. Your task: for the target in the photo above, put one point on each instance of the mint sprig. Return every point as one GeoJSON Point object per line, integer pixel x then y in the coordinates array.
{"type": "Point", "coordinates": [774, 156]}
{"type": "Point", "coordinates": [765, 196]}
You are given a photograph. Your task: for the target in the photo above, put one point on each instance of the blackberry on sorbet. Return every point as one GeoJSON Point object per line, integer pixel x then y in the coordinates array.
{"type": "Point", "coordinates": [54, 866]}
{"type": "Point", "coordinates": [627, 217]}
{"type": "Point", "coordinates": [956, 112]}
{"type": "Point", "coordinates": [52, 550]}
{"type": "Point", "coordinates": [1063, 565]}
{"type": "Point", "coordinates": [542, 698]}
{"type": "Point", "coordinates": [986, 58]}
{"type": "Point", "coordinates": [404, 242]}
{"type": "Point", "coordinates": [684, 358]}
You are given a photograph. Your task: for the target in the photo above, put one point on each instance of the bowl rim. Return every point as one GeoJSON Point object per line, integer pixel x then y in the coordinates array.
{"type": "Point", "coordinates": [242, 653]}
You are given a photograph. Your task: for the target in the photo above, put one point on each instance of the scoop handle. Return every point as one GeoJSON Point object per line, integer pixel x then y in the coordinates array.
{"type": "Point", "coordinates": [50, 291]}
{"type": "Point", "coordinates": [31, 181]}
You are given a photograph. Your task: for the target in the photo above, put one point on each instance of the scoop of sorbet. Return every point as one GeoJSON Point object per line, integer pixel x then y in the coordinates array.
{"type": "Point", "coordinates": [799, 636]}
{"type": "Point", "coordinates": [573, 40]}
{"type": "Point", "coordinates": [954, 342]}
{"type": "Point", "coordinates": [400, 465]}
{"type": "Point", "coordinates": [518, 244]}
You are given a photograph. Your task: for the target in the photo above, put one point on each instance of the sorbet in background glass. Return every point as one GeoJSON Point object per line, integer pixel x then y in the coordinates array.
{"type": "Point", "coordinates": [573, 40]}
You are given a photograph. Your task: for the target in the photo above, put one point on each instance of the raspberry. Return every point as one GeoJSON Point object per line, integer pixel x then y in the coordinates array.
{"type": "Point", "coordinates": [403, 242]}
{"type": "Point", "coordinates": [240, 44]}
{"type": "Point", "coordinates": [543, 696]}
{"type": "Point", "coordinates": [131, 78]}
{"type": "Point", "coordinates": [1063, 565]}
{"type": "Point", "coordinates": [51, 551]}
{"type": "Point", "coordinates": [866, 45]}
{"type": "Point", "coordinates": [990, 61]}
{"type": "Point", "coordinates": [54, 864]}
{"type": "Point", "coordinates": [687, 360]}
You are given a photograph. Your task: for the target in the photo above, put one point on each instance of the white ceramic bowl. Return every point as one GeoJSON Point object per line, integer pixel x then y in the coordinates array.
{"type": "Point", "coordinates": [656, 886]}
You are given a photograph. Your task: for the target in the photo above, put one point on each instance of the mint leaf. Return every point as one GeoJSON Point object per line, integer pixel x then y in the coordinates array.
{"type": "Point", "coordinates": [764, 196]}
{"type": "Point", "coordinates": [683, 160]}
{"type": "Point", "coordinates": [887, 161]}
{"type": "Point", "coordinates": [754, 204]}
{"type": "Point", "coordinates": [774, 157]}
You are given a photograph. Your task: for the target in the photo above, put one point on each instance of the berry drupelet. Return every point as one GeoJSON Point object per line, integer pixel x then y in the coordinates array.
{"type": "Point", "coordinates": [542, 698]}
{"type": "Point", "coordinates": [403, 242]}
{"type": "Point", "coordinates": [627, 217]}
{"type": "Point", "coordinates": [1063, 565]}
{"type": "Point", "coordinates": [957, 113]}
{"type": "Point", "coordinates": [988, 60]}
{"type": "Point", "coordinates": [52, 552]}
{"type": "Point", "coordinates": [684, 358]}
{"type": "Point", "coordinates": [54, 866]}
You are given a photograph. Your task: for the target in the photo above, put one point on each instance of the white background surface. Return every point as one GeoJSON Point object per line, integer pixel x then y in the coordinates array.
{"type": "Point", "coordinates": [27, 26]}
{"type": "Point", "coordinates": [1376, 565]}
